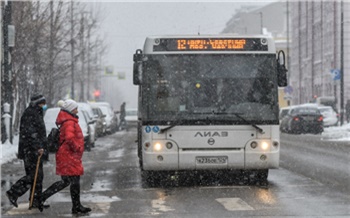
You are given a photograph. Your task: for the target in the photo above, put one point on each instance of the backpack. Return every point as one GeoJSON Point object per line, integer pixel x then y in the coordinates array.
{"type": "Point", "coordinates": [53, 140]}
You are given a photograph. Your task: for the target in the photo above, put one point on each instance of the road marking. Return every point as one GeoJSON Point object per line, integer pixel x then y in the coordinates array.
{"type": "Point", "coordinates": [104, 207]}
{"type": "Point", "coordinates": [234, 204]}
{"type": "Point", "coordinates": [22, 209]}
{"type": "Point", "coordinates": [159, 205]}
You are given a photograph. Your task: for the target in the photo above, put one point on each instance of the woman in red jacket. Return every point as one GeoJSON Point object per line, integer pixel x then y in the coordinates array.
{"type": "Point", "coordinates": [68, 157]}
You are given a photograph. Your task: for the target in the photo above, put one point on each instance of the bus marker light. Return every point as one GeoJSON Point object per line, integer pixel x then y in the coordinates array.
{"type": "Point", "coordinates": [157, 147]}
{"type": "Point", "coordinates": [253, 144]}
{"type": "Point", "coordinates": [263, 157]}
{"type": "Point", "coordinates": [147, 144]}
{"type": "Point", "coordinates": [275, 144]}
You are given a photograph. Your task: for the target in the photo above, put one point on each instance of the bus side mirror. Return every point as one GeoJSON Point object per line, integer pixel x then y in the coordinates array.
{"type": "Point", "coordinates": [281, 70]}
{"type": "Point", "coordinates": [137, 71]}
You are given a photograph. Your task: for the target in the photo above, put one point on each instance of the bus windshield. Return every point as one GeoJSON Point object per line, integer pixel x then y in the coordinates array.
{"type": "Point", "coordinates": [193, 88]}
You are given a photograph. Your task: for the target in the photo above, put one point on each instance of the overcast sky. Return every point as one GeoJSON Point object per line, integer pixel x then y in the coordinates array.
{"type": "Point", "coordinates": [127, 24]}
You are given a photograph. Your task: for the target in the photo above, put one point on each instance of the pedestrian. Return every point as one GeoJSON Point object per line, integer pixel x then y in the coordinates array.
{"type": "Point", "coordinates": [32, 144]}
{"type": "Point", "coordinates": [122, 116]}
{"type": "Point", "coordinates": [69, 156]}
{"type": "Point", "coordinates": [347, 110]}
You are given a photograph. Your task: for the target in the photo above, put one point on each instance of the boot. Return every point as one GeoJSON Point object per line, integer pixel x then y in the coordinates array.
{"type": "Point", "coordinates": [80, 209]}
{"type": "Point", "coordinates": [40, 205]}
{"type": "Point", "coordinates": [12, 198]}
{"type": "Point", "coordinates": [75, 195]}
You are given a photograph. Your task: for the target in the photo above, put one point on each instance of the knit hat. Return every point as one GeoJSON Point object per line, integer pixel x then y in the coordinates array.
{"type": "Point", "coordinates": [70, 105]}
{"type": "Point", "coordinates": [37, 99]}
{"type": "Point", "coordinates": [60, 103]}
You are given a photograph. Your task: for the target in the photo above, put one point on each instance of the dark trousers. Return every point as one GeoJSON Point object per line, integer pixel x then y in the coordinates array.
{"type": "Point", "coordinates": [73, 181]}
{"type": "Point", "coordinates": [26, 182]}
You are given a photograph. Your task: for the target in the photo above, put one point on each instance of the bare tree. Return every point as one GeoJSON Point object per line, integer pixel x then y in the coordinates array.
{"type": "Point", "coordinates": [41, 58]}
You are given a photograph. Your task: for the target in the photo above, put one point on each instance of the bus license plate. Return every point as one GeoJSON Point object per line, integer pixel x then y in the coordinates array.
{"type": "Point", "coordinates": [211, 160]}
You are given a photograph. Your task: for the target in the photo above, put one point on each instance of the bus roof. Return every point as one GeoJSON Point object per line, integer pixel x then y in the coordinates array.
{"type": "Point", "coordinates": [172, 44]}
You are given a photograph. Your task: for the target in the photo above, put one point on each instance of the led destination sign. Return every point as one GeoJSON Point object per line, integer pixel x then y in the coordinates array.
{"type": "Point", "coordinates": [211, 44]}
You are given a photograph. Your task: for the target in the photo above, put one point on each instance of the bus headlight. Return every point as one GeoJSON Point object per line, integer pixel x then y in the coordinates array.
{"type": "Point", "coordinates": [264, 145]}
{"type": "Point", "coordinates": [157, 146]}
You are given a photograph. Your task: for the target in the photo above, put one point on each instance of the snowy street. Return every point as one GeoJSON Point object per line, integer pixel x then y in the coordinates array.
{"type": "Point", "coordinates": [112, 187]}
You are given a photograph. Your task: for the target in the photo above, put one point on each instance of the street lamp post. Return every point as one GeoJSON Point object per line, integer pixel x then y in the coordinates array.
{"type": "Point", "coordinates": [7, 65]}
{"type": "Point", "coordinates": [261, 22]}
{"type": "Point", "coordinates": [72, 50]}
{"type": "Point", "coordinates": [341, 63]}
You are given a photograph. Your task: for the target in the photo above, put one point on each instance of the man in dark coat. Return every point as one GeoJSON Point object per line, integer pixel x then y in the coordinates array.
{"type": "Point", "coordinates": [32, 143]}
{"type": "Point", "coordinates": [122, 116]}
{"type": "Point", "coordinates": [347, 111]}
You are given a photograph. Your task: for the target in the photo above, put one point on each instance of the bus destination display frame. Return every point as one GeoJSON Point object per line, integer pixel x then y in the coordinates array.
{"type": "Point", "coordinates": [210, 44]}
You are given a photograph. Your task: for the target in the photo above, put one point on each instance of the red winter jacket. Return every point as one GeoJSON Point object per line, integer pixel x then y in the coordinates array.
{"type": "Point", "coordinates": [69, 154]}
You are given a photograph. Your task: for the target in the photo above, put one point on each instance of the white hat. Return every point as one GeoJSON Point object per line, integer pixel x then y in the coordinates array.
{"type": "Point", "coordinates": [70, 105]}
{"type": "Point", "coordinates": [60, 103]}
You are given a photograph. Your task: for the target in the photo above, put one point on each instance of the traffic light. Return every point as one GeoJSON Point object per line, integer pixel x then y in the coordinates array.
{"type": "Point", "coordinates": [97, 94]}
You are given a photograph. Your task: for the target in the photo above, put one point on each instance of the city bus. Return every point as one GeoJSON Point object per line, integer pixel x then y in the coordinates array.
{"type": "Point", "coordinates": [208, 103]}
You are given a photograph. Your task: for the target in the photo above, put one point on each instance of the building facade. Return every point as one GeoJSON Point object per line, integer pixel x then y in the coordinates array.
{"type": "Point", "coordinates": [270, 19]}
{"type": "Point", "coordinates": [312, 42]}
{"type": "Point", "coordinates": [316, 50]}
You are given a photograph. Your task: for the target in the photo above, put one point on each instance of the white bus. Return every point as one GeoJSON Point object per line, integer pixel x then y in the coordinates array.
{"type": "Point", "coordinates": [208, 103]}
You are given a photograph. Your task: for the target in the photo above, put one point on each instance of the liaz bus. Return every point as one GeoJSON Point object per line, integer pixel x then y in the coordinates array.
{"type": "Point", "coordinates": [208, 103]}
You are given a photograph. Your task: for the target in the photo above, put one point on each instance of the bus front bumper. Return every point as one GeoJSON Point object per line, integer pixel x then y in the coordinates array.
{"type": "Point", "coordinates": [239, 159]}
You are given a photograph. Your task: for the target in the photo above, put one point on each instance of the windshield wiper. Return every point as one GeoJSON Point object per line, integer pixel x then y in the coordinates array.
{"type": "Point", "coordinates": [169, 127]}
{"type": "Point", "coordinates": [260, 130]}
{"type": "Point", "coordinates": [175, 123]}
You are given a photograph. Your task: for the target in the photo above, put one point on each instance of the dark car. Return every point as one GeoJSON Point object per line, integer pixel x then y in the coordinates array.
{"type": "Point", "coordinates": [302, 119]}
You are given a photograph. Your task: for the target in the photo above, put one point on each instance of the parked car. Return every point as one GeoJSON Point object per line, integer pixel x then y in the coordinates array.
{"type": "Point", "coordinates": [89, 114]}
{"type": "Point", "coordinates": [302, 119]}
{"type": "Point", "coordinates": [87, 124]}
{"type": "Point", "coordinates": [111, 118]}
{"type": "Point", "coordinates": [103, 103]}
{"type": "Point", "coordinates": [50, 117]}
{"type": "Point", "coordinates": [283, 112]}
{"type": "Point", "coordinates": [50, 122]}
{"type": "Point", "coordinates": [131, 117]}
{"type": "Point", "coordinates": [330, 117]}
{"type": "Point", "coordinates": [101, 125]}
